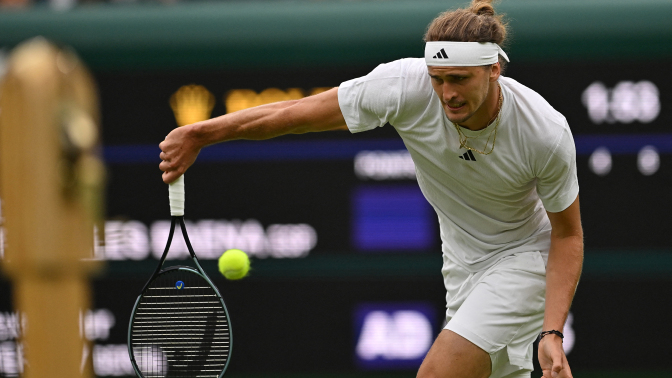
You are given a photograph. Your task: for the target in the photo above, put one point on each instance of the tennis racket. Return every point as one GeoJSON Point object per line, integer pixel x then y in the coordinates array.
{"type": "Point", "coordinates": [179, 325]}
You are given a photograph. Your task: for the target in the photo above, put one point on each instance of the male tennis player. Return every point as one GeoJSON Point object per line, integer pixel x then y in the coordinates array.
{"type": "Point", "coordinates": [496, 162]}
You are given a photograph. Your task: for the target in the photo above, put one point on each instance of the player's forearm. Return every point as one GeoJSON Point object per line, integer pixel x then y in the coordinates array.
{"type": "Point", "coordinates": [261, 122]}
{"type": "Point", "coordinates": [180, 148]}
{"type": "Point", "coordinates": [309, 114]}
{"type": "Point", "coordinates": [563, 270]}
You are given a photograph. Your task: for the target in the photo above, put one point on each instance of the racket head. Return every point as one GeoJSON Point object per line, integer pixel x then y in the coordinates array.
{"type": "Point", "coordinates": [180, 327]}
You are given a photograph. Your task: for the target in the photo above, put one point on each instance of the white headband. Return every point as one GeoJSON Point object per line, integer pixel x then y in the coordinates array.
{"type": "Point", "coordinates": [461, 54]}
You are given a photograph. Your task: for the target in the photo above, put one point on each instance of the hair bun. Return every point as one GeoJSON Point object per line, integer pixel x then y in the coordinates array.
{"type": "Point", "coordinates": [482, 7]}
{"type": "Point", "coordinates": [476, 23]}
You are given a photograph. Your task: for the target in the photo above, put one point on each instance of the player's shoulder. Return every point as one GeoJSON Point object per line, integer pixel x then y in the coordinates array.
{"type": "Point", "coordinates": [534, 113]}
{"type": "Point", "coordinates": [531, 104]}
{"type": "Point", "coordinates": [405, 81]}
{"type": "Point", "coordinates": [406, 68]}
{"type": "Point", "coordinates": [409, 74]}
{"type": "Point", "coordinates": [414, 66]}
{"type": "Point", "coordinates": [542, 128]}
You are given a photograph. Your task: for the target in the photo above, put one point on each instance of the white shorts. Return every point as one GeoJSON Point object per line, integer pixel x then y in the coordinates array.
{"type": "Point", "coordinates": [499, 309]}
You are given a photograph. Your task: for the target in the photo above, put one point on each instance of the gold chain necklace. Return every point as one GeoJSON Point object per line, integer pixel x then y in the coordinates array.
{"type": "Point", "coordinates": [493, 134]}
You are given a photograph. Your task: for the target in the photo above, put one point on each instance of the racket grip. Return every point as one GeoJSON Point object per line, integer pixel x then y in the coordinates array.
{"type": "Point", "coordinates": [176, 196]}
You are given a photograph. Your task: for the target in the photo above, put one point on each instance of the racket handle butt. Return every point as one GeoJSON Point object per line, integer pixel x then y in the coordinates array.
{"type": "Point", "coordinates": [176, 196]}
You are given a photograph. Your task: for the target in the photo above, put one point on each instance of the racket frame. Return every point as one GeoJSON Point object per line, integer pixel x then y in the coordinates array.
{"type": "Point", "coordinates": [199, 271]}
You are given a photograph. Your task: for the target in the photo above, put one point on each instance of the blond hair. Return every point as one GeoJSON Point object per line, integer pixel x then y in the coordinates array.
{"type": "Point", "coordinates": [478, 23]}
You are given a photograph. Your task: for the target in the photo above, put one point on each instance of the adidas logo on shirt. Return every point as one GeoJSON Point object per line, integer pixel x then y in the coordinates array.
{"type": "Point", "coordinates": [468, 156]}
{"type": "Point", "coordinates": [441, 55]}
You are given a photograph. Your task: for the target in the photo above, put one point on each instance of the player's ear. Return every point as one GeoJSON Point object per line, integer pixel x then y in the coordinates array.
{"type": "Point", "coordinates": [495, 72]}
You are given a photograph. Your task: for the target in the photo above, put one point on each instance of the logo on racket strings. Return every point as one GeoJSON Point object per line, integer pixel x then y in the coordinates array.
{"type": "Point", "coordinates": [179, 285]}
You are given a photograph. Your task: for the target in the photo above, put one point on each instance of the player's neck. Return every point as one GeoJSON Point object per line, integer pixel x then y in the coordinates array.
{"type": "Point", "coordinates": [487, 113]}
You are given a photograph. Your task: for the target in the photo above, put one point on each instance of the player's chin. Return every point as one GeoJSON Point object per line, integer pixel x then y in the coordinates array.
{"type": "Point", "coordinates": [457, 117]}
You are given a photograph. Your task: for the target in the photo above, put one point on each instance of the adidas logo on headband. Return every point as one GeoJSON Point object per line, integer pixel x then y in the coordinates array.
{"type": "Point", "coordinates": [441, 55]}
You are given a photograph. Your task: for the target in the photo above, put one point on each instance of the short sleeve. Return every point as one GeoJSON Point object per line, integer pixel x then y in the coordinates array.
{"type": "Point", "coordinates": [373, 100]}
{"type": "Point", "coordinates": [557, 183]}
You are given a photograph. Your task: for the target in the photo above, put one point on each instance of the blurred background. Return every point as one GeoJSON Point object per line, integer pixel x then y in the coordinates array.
{"type": "Point", "coordinates": [346, 257]}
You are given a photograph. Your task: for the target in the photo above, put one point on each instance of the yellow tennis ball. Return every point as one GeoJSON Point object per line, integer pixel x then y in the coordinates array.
{"type": "Point", "coordinates": [234, 264]}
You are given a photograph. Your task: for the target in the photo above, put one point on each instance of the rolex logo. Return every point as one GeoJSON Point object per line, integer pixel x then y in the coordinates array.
{"type": "Point", "coordinates": [192, 103]}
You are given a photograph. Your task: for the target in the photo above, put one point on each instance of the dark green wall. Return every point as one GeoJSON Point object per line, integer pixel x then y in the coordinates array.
{"type": "Point", "coordinates": [333, 33]}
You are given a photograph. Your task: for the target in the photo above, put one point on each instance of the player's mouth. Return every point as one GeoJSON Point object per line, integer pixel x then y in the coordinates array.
{"type": "Point", "coordinates": [455, 107]}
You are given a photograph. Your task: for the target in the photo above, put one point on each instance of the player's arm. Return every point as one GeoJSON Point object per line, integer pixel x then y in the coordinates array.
{"type": "Point", "coordinates": [563, 269]}
{"type": "Point", "coordinates": [320, 112]}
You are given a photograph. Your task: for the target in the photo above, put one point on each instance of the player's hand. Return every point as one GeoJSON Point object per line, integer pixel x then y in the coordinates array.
{"type": "Point", "coordinates": [178, 152]}
{"type": "Point", "coordinates": [552, 358]}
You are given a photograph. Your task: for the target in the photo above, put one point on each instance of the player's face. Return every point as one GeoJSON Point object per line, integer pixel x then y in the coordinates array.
{"type": "Point", "coordinates": [463, 91]}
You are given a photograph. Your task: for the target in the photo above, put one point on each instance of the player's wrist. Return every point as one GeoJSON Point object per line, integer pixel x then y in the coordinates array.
{"type": "Point", "coordinates": [551, 334]}
{"type": "Point", "coordinates": [198, 134]}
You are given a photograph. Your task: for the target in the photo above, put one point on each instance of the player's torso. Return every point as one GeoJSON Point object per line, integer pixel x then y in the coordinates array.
{"type": "Point", "coordinates": [499, 185]}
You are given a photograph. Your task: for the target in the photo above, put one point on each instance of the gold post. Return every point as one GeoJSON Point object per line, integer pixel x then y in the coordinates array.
{"type": "Point", "coordinates": [50, 183]}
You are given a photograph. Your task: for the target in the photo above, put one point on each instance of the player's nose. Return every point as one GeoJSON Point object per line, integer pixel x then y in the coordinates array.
{"type": "Point", "coordinates": [448, 93]}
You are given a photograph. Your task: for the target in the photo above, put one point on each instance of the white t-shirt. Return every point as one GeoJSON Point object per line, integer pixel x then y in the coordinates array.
{"type": "Point", "coordinates": [489, 207]}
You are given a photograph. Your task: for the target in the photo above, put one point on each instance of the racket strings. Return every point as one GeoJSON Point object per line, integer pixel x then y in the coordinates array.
{"type": "Point", "coordinates": [180, 332]}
